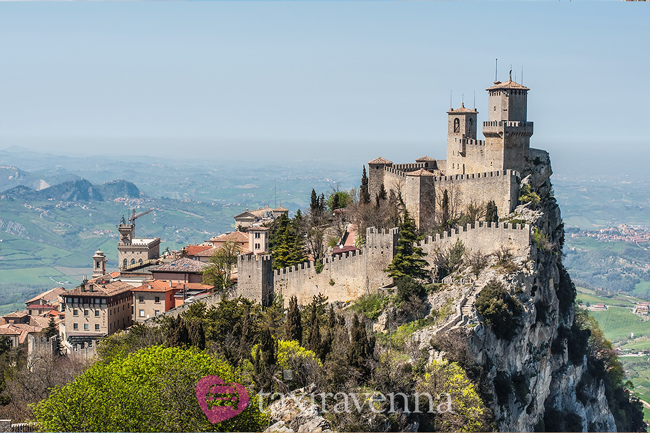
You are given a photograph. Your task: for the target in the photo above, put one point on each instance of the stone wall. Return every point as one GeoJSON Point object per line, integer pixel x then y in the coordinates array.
{"type": "Point", "coordinates": [483, 237]}
{"type": "Point", "coordinates": [344, 277]}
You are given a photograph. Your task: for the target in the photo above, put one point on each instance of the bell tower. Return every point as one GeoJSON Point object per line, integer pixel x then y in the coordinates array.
{"type": "Point", "coordinates": [461, 127]}
{"type": "Point", "coordinates": [99, 264]}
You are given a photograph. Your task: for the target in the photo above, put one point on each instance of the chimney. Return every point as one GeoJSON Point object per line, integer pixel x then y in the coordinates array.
{"type": "Point", "coordinates": [149, 286]}
{"type": "Point", "coordinates": [170, 282]}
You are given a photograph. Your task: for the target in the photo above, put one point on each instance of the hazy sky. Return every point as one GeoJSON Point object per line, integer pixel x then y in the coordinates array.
{"type": "Point", "coordinates": [307, 79]}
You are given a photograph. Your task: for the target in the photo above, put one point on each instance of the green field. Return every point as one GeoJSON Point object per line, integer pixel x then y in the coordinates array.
{"type": "Point", "coordinates": [619, 322]}
{"type": "Point", "coordinates": [642, 288]}
{"type": "Point", "coordinates": [618, 300]}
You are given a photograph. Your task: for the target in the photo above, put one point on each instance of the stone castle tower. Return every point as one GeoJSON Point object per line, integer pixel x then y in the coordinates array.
{"type": "Point", "coordinates": [507, 133]}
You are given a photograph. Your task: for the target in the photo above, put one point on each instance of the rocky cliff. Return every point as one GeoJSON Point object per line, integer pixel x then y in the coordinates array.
{"type": "Point", "coordinates": [528, 373]}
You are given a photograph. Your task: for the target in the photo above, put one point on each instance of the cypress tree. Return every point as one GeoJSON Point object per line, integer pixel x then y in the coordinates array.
{"type": "Point", "coordinates": [294, 321]}
{"type": "Point", "coordinates": [314, 330]}
{"type": "Point", "coordinates": [321, 202]}
{"type": "Point", "coordinates": [314, 202]}
{"type": "Point", "coordinates": [382, 192]}
{"type": "Point", "coordinates": [491, 212]}
{"type": "Point", "coordinates": [408, 257]}
{"type": "Point", "coordinates": [196, 334]}
{"type": "Point", "coordinates": [361, 348]}
{"type": "Point", "coordinates": [445, 208]}
{"type": "Point", "coordinates": [364, 194]}
{"type": "Point", "coordinates": [282, 243]}
{"type": "Point", "coordinates": [336, 201]}
{"type": "Point", "coordinates": [51, 329]}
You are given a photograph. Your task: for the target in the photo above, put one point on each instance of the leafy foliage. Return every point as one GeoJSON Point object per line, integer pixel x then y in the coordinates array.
{"type": "Point", "coordinates": [491, 212]}
{"type": "Point", "coordinates": [133, 393]}
{"type": "Point", "coordinates": [527, 195]}
{"type": "Point", "coordinates": [221, 264]}
{"type": "Point", "coordinates": [499, 310]}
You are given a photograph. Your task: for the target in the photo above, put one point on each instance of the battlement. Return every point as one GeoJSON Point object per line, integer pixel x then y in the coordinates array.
{"type": "Point", "coordinates": [495, 127]}
{"type": "Point", "coordinates": [483, 237]}
{"type": "Point", "coordinates": [254, 258]}
{"type": "Point", "coordinates": [409, 166]}
{"type": "Point", "coordinates": [504, 173]}
{"type": "Point", "coordinates": [400, 173]}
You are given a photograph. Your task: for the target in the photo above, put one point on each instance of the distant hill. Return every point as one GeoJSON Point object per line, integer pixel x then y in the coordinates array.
{"type": "Point", "coordinates": [11, 177]}
{"type": "Point", "coordinates": [77, 190]}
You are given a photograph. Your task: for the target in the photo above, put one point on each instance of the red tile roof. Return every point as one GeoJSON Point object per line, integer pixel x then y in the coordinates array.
{"type": "Point", "coordinates": [462, 110]}
{"type": "Point", "coordinates": [7, 330]}
{"type": "Point", "coordinates": [425, 159]}
{"type": "Point", "coordinates": [192, 250]}
{"type": "Point", "coordinates": [507, 85]}
{"type": "Point", "coordinates": [207, 253]}
{"type": "Point", "coordinates": [181, 265]}
{"type": "Point", "coordinates": [232, 236]}
{"type": "Point", "coordinates": [420, 172]}
{"type": "Point", "coordinates": [380, 160]}
{"type": "Point", "coordinates": [109, 289]}
{"type": "Point", "coordinates": [154, 286]}
{"type": "Point", "coordinates": [50, 295]}
{"type": "Point", "coordinates": [258, 228]}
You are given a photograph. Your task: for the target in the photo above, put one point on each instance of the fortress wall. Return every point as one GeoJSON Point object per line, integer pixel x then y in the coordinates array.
{"type": "Point", "coordinates": [500, 186]}
{"type": "Point", "coordinates": [394, 179]}
{"type": "Point", "coordinates": [254, 278]}
{"type": "Point", "coordinates": [344, 277]}
{"type": "Point", "coordinates": [483, 238]}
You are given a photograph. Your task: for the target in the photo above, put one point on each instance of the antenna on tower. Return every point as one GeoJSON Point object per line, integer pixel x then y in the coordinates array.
{"type": "Point", "coordinates": [496, 69]}
{"type": "Point", "coordinates": [522, 75]}
{"type": "Point", "coordinates": [462, 99]}
{"type": "Point", "coordinates": [475, 99]}
{"type": "Point", "coordinates": [451, 92]}
{"type": "Point", "coordinates": [510, 73]}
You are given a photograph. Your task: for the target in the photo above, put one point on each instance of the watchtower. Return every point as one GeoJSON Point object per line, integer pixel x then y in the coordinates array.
{"type": "Point", "coordinates": [461, 129]}
{"type": "Point", "coordinates": [507, 131]}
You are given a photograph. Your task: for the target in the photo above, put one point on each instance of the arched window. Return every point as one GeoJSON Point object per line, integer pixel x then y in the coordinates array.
{"type": "Point", "coordinates": [140, 261]}
{"type": "Point", "coordinates": [456, 125]}
{"type": "Point", "coordinates": [125, 263]}
{"type": "Point", "coordinates": [133, 261]}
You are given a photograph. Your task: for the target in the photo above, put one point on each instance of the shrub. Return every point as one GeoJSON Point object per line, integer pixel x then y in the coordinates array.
{"type": "Point", "coordinates": [527, 195]}
{"type": "Point", "coordinates": [131, 394]}
{"type": "Point", "coordinates": [500, 311]}
{"type": "Point", "coordinates": [478, 261]}
{"type": "Point", "coordinates": [407, 287]}
{"type": "Point", "coordinates": [541, 240]}
{"type": "Point", "coordinates": [370, 305]}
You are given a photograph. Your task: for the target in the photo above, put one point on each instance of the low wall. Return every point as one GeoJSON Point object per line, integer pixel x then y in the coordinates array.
{"type": "Point", "coordinates": [484, 238]}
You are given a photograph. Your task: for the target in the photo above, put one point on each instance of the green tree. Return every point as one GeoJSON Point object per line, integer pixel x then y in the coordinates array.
{"type": "Point", "coordinates": [361, 347]}
{"type": "Point", "coordinates": [499, 309]}
{"type": "Point", "coordinates": [408, 260]}
{"type": "Point", "coordinates": [364, 193]}
{"type": "Point", "coordinates": [150, 390]}
{"type": "Point", "coordinates": [313, 205]}
{"type": "Point", "coordinates": [219, 271]}
{"type": "Point", "coordinates": [294, 321]}
{"type": "Point", "coordinates": [264, 361]}
{"type": "Point", "coordinates": [445, 209]}
{"type": "Point", "coordinates": [314, 342]}
{"type": "Point", "coordinates": [491, 213]}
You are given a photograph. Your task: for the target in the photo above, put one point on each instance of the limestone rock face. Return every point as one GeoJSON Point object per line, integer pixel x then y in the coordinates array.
{"type": "Point", "coordinates": [296, 413]}
{"type": "Point", "coordinates": [544, 381]}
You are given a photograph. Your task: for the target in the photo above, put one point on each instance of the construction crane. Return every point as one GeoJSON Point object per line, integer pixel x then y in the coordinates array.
{"type": "Point", "coordinates": [134, 216]}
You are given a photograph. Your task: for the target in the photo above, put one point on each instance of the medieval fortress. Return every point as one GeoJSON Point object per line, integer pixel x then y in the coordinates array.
{"type": "Point", "coordinates": [475, 172]}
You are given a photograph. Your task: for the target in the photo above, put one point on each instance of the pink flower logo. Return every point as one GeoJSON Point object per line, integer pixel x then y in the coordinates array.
{"type": "Point", "coordinates": [220, 401]}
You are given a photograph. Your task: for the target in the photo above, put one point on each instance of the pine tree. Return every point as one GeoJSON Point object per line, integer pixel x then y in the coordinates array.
{"type": "Point", "coordinates": [321, 202]}
{"type": "Point", "coordinates": [294, 321]}
{"type": "Point", "coordinates": [491, 212]}
{"type": "Point", "coordinates": [364, 195]}
{"type": "Point", "coordinates": [177, 336]}
{"type": "Point", "coordinates": [408, 257]}
{"type": "Point", "coordinates": [383, 195]}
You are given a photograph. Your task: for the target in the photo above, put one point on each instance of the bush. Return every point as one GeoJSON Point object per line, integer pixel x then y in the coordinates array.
{"type": "Point", "coordinates": [370, 305]}
{"type": "Point", "coordinates": [500, 311]}
{"type": "Point", "coordinates": [527, 195]}
{"type": "Point", "coordinates": [478, 261]}
{"type": "Point", "coordinates": [133, 393]}
{"type": "Point", "coordinates": [542, 241]}
{"type": "Point", "coordinates": [407, 287]}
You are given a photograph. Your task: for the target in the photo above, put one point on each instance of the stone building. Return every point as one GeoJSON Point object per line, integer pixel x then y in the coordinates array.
{"type": "Point", "coordinates": [132, 251]}
{"type": "Point", "coordinates": [475, 171]}
{"type": "Point", "coordinates": [183, 270]}
{"type": "Point", "coordinates": [152, 299]}
{"type": "Point", "coordinates": [94, 310]}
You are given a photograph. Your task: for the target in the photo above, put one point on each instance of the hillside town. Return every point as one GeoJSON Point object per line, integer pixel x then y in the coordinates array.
{"type": "Point", "coordinates": [621, 233]}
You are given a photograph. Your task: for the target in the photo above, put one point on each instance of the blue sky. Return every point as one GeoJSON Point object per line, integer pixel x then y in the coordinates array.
{"type": "Point", "coordinates": [316, 79]}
